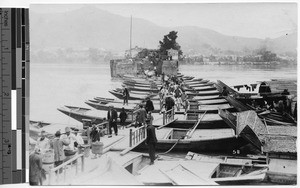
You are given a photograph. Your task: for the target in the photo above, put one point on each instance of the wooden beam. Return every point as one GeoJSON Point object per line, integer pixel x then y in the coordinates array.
{"type": "Point", "coordinates": [132, 147]}
{"type": "Point", "coordinates": [167, 123]}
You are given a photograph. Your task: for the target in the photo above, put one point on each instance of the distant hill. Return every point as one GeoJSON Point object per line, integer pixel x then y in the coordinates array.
{"type": "Point", "coordinates": [95, 28]}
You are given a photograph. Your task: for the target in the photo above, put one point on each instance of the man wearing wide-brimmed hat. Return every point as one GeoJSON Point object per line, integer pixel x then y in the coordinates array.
{"type": "Point", "coordinates": [43, 143]}
{"type": "Point", "coordinates": [68, 137]}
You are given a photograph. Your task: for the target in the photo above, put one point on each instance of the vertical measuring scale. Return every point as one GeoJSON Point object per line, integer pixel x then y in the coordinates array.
{"type": "Point", "coordinates": [6, 129]}
{"type": "Point", "coordinates": [14, 92]}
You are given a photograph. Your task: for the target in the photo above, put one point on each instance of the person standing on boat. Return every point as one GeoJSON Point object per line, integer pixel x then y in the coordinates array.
{"type": "Point", "coordinates": [151, 141]}
{"type": "Point", "coordinates": [184, 100]}
{"type": "Point", "coordinates": [149, 105]}
{"type": "Point", "coordinates": [123, 117]}
{"type": "Point", "coordinates": [149, 118]}
{"type": "Point", "coordinates": [112, 117]}
{"type": "Point", "coordinates": [142, 115]}
{"type": "Point", "coordinates": [225, 92]}
{"type": "Point", "coordinates": [169, 103]}
{"type": "Point", "coordinates": [125, 95]}
{"type": "Point", "coordinates": [177, 95]}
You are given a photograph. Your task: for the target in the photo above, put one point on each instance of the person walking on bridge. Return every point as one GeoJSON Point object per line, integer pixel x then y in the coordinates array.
{"type": "Point", "coordinates": [112, 117]}
{"type": "Point", "coordinates": [151, 141]}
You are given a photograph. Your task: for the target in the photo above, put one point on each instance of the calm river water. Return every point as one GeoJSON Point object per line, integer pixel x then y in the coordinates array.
{"type": "Point", "coordinates": [55, 85]}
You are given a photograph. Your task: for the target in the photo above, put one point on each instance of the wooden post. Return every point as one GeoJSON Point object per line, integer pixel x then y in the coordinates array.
{"type": "Point", "coordinates": [164, 117]}
{"type": "Point", "coordinates": [50, 176]}
{"type": "Point", "coordinates": [130, 137]}
{"type": "Point", "coordinates": [76, 172]}
{"type": "Point", "coordinates": [65, 172]}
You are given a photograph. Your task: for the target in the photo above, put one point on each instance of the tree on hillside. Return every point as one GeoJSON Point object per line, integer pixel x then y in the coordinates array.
{"type": "Point", "coordinates": [169, 42]}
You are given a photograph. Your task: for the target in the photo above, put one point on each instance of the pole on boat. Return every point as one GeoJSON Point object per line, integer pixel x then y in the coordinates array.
{"type": "Point", "coordinates": [130, 36]}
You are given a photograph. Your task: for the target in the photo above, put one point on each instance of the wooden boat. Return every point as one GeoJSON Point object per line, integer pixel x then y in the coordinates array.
{"type": "Point", "coordinates": [131, 84]}
{"type": "Point", "coordinates": [79, 114]}
{"type": "Point", "coordinates": [254, 160]}
{"type": "Point", "coordinates": [118, 106]}
{"type": "Point", "coordinates": [249, 126]}
{"type": "Point", "coordinates": [99, 100]}
{"type": "Point", "coordinates": [144, 89]}
{"type": "Point", "coordinates": [188, 172]}
{"type": "Point", "coordinates": [204, 88]}
{"type": "Point", "coordinates": [209, 97]}
{"type": "Point", "coordinates": [214, 140]}
{"type": "Point", "coordinates": [212, 101]}
{"type": "Point", "coordinates": [132, 96]}
{"type": "Point", "coordinates": [203, 93]}
{"type": "Point", "coordinates": [210, 108]}
{"type": "Point", "coordinates": [39, 124]}
{"type": "Point", "coordinates": [188, 82]}
{"type": "Point", "coordinates": [269, 117]}
{"type": "Point", "coordinates": [199, 84]}
{"type": "Point", "coordinates": [232, 174]}
{"type": "Point", "coordinates": [104, 99]}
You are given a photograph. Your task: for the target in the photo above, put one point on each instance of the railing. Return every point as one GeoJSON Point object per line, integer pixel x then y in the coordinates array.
{"type": "Point", "coordinates": [57, 171]}
{"type": "Point", "coordinates": [168, 116]}
{"type": "Point", "coordinates": [136, 136]}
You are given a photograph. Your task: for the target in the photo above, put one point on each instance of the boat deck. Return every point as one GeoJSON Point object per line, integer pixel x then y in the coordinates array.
{"type": "Point", "coordinates": [189, 173]}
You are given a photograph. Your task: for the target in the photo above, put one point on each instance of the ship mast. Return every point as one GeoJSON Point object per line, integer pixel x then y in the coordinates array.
{"type": "Point", "coordinates": [130, 36]}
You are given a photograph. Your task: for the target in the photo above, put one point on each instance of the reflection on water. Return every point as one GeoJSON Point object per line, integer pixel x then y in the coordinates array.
{"type": "Point", "coordinates": [55, 85]}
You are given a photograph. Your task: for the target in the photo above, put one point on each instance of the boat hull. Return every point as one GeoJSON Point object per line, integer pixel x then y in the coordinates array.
{"type": "Point", "coordinates": [226, 145]}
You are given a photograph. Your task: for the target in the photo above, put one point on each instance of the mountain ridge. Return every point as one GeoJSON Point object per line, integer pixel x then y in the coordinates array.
{"type": "Point", "coordinates": [96, 28]}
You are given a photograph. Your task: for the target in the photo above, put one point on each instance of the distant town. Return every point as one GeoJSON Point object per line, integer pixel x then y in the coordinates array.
{"type": "Point", "coordinates": [100, 55]}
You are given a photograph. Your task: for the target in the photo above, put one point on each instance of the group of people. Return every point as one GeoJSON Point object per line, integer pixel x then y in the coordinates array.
{"type": "Point", "coordinates": [112, 117]}
{"type": "Point", "coordinates": [282, 105]}
{"type": "Point", "coordinates": [172, 93]}
{"type": "Point", "coordinates": [63, 145]}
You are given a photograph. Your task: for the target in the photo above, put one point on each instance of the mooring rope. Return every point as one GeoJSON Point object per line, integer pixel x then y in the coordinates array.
{"type": "Point", "coordinates": [170, 148]}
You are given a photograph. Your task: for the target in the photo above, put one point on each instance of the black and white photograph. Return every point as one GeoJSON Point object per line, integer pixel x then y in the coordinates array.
{"type": "Point", "coordinates": [163, 94]}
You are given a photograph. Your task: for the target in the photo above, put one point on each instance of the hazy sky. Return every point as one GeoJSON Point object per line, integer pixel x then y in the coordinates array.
{"type": "Point", "coordinates": [258, 20]}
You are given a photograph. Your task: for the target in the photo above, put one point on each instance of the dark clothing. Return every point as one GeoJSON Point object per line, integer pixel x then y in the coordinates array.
{"type": "Point", "coordinates": [285, 92]}
{"type": "Point", "coordinates": [95, 135]}
{"type": "Point", "coordinates": [225, 93]}
{"type": "Point", "coordinates": [141, 116]}
{"type": "Point", "coordinates": [57, 163]}
{"type": "Point", "coordinates": [263, 88]}
{"type": "Point", "coordinates": [151, 141]}
{"type": "Point", "coordinates": [177, 92]}
{"type": "Point", "coordinates": [123, 116]}
{"type": "Point", "coordinates": [152, 151]}
{"type": "Point", "coordinates": [35, 168]}
{"type": "Point", "coordinates": [149, 106]}
{"type": "Point", "coordinates": [125, 95]}
{"type": "Point", "coordinates": [114, 126]}
{"type": "Point", "coordinates": [112, 117]}
{"type": "Point", "coordinates": [169, 103]}
{"type": "Point", "coordinates": [33, 183]}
